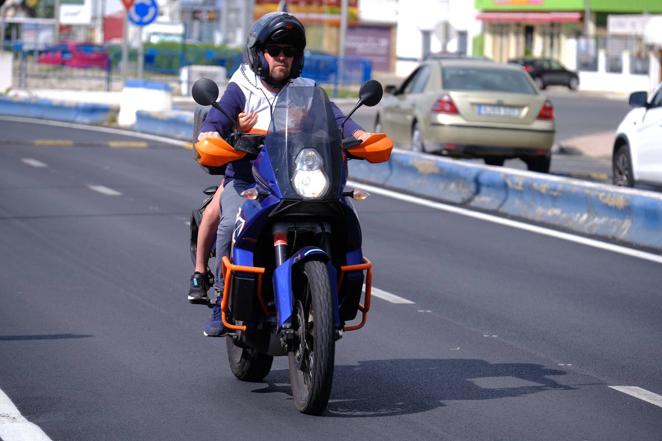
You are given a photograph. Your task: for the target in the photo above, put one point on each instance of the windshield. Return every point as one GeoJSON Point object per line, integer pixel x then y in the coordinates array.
{"type": "Point", "coordinates": [486, 80]}
{"type": "Point", "coordinates": [303, 119]}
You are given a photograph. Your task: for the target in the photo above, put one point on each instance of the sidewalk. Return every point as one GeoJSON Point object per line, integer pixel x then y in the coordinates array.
{"type": "Point", "coordinates": [595, 145]}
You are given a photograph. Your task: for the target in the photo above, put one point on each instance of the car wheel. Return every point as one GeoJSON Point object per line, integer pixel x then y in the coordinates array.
{"type": "Point", "coordinates": [494, 161]}
{"type": "Point", "coordinates": [622, 167]}
{"type": "Point", "coordinates": [417, 144]}
{"type": "Point", "coordinates": [540, 83]}
{"type": "Point", "coordinates": [573, 84]}
{"type": "Point", "coordinates": [540, 164]}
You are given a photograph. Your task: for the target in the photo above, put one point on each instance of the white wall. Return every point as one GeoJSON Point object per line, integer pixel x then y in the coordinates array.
{"type": "Point", "coordinates": [414, 16]}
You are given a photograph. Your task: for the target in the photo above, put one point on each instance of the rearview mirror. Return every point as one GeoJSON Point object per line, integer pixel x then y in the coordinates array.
{"type": "Point", "coordinates": [638, 99]}
{"type": "Point", "coordinates": [371, 93]}
{"type": "Point", "coordinates": [205, 92]}
{"type": "Point", "coordinates": [390, 89]}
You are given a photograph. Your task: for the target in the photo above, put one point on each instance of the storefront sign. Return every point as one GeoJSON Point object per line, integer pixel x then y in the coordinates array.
{"type": "Point", "coordinates": [311, 11]}
{"type": "Point", "coordinates": [627, 24]}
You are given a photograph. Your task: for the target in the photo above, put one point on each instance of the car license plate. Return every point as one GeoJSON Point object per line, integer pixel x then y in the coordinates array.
{"type": "Point", "coordinates": [489, 110]}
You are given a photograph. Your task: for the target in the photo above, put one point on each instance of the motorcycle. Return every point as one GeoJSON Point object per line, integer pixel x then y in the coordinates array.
{"type": "Point", "coordinates": [296, 278]}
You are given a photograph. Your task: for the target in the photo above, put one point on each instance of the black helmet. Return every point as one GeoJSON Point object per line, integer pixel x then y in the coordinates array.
{"type": "Point", "coordinates": [275, 27]}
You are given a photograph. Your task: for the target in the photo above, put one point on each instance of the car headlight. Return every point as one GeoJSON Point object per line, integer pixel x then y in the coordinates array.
{"type": "Point", "coordinates": [309, 179]}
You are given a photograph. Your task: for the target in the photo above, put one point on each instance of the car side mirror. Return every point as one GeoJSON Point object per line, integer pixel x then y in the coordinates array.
{"type": "Point", "coordinates": [638, 99]}
{"type": "Point", "coordinates": [391, 89]}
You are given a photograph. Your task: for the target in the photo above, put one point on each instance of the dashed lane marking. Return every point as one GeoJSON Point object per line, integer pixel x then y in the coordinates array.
{"type": "Point", "coordinates": [54, 142]}
{"type": "Point", "coordinates": [14, 426]}
{"type": "Point", "coordinates": [127, 144]}
{"type": "Point", "coordinates": [392, 298]}
{"type": "Point", "coordinates": [104, 190]}
{"type": "Point", "coordinates": [33, 162]}
{"type": "Point", "coordinates": [640, 393]}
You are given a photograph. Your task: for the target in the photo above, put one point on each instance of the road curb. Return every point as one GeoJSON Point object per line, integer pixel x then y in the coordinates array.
{"type": "Point", "coordinates": [84, 113]}
{"type": "Point", "coordinates": [610, 213]}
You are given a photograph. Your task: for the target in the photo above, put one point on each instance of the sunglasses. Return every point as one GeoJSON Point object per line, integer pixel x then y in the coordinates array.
{"type": "Point", "coordinates": [275, 51]}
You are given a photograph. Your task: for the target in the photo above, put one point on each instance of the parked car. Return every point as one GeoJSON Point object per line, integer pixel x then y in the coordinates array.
{"type": "Point", "coordinates": [637, 154]}
{"type": "Point", "coordinates": [548, 72]}
{"type": "Point", "coordinates": [467, 108]}
{"type": "Point", "coordinates": [76, 54]}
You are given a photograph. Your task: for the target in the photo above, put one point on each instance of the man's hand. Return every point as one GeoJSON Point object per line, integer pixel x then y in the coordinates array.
{"type": "Point", "coordinates": [204, 135]}
{"type": "Point", "coordinates": [246, 121]}
{"type": "Point", "coordinates": [362, 135]}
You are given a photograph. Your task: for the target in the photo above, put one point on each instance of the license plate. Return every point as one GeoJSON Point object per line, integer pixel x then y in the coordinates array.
{"type": "Point", "coordinates": [488, 110]}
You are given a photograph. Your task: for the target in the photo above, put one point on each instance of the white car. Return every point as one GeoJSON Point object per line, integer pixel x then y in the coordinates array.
{"type": "Point", "coordinates": [637, 156]}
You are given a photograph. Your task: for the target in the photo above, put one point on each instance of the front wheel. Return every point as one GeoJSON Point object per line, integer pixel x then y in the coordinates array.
{"type": "Point", "coordinates": [311, 362]}
{"type": "Point", "coordinates": [246, 363]}
{"type": "Point", "coordinates": [622, 167]}
{"type": "Point", "coordinates": [417, 144]}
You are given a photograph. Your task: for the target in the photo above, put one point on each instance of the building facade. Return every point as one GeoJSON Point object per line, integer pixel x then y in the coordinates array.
{"type": "Point", "coordinates": [603, 39]}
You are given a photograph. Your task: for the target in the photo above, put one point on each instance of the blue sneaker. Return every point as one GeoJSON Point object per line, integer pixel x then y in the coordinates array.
{"type": "Point", "coordinates": [214, 326]}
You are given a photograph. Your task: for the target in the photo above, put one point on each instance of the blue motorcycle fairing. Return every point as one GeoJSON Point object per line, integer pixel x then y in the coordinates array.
{"type": "Point", "coordinates": [354, 257]}
{"type": "Point", "coordinates": [282, 280]}
{"type": "Point", "coordinates": [264, 172]}
{"type": "Point", "coordinates": [254, 215]}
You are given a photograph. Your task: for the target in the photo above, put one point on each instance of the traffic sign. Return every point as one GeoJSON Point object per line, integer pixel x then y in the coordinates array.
{"type": "Point", "coordinates": [143, 12]}
{"type": "Point", "coordinates": [127, 4]}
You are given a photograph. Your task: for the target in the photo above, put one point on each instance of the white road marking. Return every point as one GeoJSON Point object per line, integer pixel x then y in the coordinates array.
{"type": "Point", "coordinates": [130, 133]}
{"type": "Point", "coordinates": [511, 223]}
{"type": "Point", "coordinates": [33, 162]}
{"type": "Point", "coordinates": [104, 190]}
{"type": "Point", "coordinates": [640, 393]}
{"type": "Point", "coordinates": [392, 298]}
{"type": "Point", "coordinates": [14, 427]}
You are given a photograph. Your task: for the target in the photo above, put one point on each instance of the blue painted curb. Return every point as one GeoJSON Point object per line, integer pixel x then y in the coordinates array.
{"type": "Point", "coordinates": [598, 210]}
{"type": "Point", "coordinates": [84, 113]}
{"type": "Point", "coordinates": [174, 124]}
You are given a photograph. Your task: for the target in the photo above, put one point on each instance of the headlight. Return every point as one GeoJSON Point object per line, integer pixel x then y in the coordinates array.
{"type": "Point", "coordinates": [309, 179]}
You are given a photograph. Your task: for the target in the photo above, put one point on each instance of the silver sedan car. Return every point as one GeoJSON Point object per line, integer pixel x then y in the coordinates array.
{"type": "Point", "coordinates": [468, 108]}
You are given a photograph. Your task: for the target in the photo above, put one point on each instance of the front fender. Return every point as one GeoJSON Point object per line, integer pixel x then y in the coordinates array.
{"type": "Point", "coordinates": [283, 281]}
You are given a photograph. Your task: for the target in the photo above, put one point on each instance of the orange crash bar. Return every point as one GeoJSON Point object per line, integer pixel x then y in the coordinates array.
{"type": "Point", "coordinates": [228, 269]}
{"type": "Point", "coordinates": [365, 266]}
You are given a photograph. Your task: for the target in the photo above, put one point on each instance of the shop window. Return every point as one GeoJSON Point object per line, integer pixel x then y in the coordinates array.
{"type": "Point", "coordinates": [587, 54]}
{"type": "Point", "coordinates": [615, 46]}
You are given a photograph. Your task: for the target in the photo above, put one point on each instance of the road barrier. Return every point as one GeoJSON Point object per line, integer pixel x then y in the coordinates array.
{"type": "Point", "coordinates": [85, 113]}
{"type": "Point", "coordinates": [610, 213]}
{"type": "Point", "coordinates": [175, 124]}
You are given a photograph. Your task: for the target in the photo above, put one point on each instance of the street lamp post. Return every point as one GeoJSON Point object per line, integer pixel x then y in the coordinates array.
{"type": "Point", "coordinates": [587, 17]}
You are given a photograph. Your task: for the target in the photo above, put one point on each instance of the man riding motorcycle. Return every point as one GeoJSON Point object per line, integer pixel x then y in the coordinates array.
{"type": "Point", "coordinates": [274, 60]}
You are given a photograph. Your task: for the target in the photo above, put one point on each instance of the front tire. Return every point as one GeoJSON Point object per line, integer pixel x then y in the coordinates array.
{"type": "Point", "coordinates": [573, 84]}
{"type": "Point", "coordinates": [417, 144]}
{"type": "Point", "coordinates": [246, 363]}
{"type": "Point", "coordinates": [622, 167]}
{"type": "Point", "coordinates": [311, 363]}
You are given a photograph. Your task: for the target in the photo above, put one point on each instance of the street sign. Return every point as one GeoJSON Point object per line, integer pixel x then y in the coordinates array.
{"type": "Point", "coordinates": [143, 12]}
{"type": "Point", "coordinates": [127, 4]}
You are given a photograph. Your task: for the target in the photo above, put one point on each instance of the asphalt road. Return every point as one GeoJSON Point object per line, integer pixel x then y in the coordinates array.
{"type": "Point", "coordinates": [510, 336]}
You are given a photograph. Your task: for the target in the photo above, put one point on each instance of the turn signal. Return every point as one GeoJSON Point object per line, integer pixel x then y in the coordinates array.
{"type": "Point", "coordinates": [250, 193]}
{"type": "Point", "coordinates": [360, 195]}
{"type": "Point", "coordinates": [445, 104]}
{"type": "Point", "coordinates": [547, 111]}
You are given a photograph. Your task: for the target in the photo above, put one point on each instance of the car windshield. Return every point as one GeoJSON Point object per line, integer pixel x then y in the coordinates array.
{"type": "Point", "coordinates": [486, 80]}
